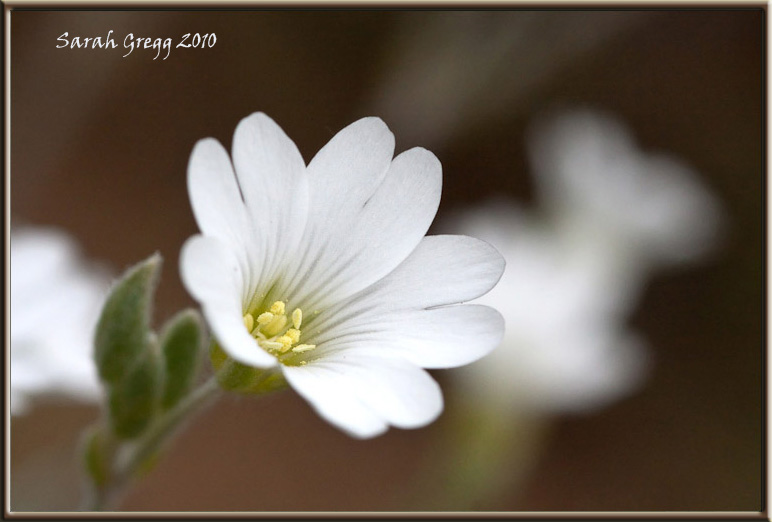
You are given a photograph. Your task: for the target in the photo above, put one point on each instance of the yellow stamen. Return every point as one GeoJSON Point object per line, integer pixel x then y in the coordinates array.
{"type": "Point", "coordinates": [264, 318]}
{"type": "Point", "coordinates": [285, 341]}
{"type": "Point", "coordinates": [303, 348]}
{"type": "Point", "coordinates": [277, 333]}
{"type": "Point", "coordinates": [293, 334]}
{"type": "Point", "coordinates": [297, 318]}
{"type": "Point", "coordinates": [276, 325]}
{"type": "Point", "coordinates": [271, 345]}
{"type": "Point", "coordinates": [249, 322]}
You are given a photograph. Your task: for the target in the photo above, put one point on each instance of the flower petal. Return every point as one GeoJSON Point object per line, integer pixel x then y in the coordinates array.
{"type": "Point", "coordinates": [399, 392]}
{"type": "Point", "coordinates": [342, 177]}
{"type": "Point", "coordinates": [56, 297]}
{"type": "Point", "coordinates": [214, 193]}
{"type": "Point", "coordinates": [213, 277]}
{"type": "Point", "coordinates": [442, 270]}
{"type": "Point", "coordinates": [591, 172]}
{"type": "Point", "coordinates": [579, 368]}
{"type": "Point", "coordinates": [450, 336]}
{"type": "Point", "coordinates": [346, 172]}
{"type": "Point", "coordinates": [272, 176]}
{"type": "Point", "coordinates": [391, 313]}
{"type": "Point", "coordinates": [386, 228]}
{"type": "Point", "coordinates": [322, 388]}
{"type": "Point", "coordinates": [444, 337]}
{"type": "Point", "coordinates": [374, 387]}
{"type": "Point", "coordinates": [41, 256]}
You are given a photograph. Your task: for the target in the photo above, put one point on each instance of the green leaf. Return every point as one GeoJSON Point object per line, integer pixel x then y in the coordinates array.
{"type": "Point", "coordinates": [124, 325]}
{"type": "Point", "coordinates": [181, 345]}
{"type": "Point", "coordinates": [134, 402]}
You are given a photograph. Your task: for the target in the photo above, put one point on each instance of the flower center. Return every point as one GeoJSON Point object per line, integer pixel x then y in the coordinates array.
{"type": "Point", "coordinates": [277, 333]}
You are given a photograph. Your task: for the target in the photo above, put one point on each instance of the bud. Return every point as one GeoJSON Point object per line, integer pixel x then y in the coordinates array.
{"type": "Point", "coordinates": [181, 344]}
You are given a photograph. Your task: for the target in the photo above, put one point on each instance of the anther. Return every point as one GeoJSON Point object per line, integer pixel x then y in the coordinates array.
{"type": "Point", "coordinates": [276, 332]}
{"type": "Point", "coordinates": [249, 322]}
{"type": "Point", "coordinates": [264, 318]}
{"type": "Point", "coordinates": [303, 348]}
{"type": "Point", "coordinates": [293, 334]}
{"type": "Point", "coordinates": [297, 318]}
{"type": "Point", "coordinates": [277, 308]}
{"type": "Point", "coordinates": [286, 342]}
{"type": "Point", "coordinates": [271, 345]}
{"type": "Point", "coordinates": [276, 325]}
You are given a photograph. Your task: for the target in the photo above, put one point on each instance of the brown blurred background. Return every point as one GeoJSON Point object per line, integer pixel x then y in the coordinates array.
{"type": "Point", "coordinates": [100, 144]}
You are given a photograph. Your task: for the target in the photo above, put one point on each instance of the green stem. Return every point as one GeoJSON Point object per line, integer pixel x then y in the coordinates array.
{"type": "Point", "coordinates": [482, 453]}
{"type": "Point", "coordinates": [157, 434]}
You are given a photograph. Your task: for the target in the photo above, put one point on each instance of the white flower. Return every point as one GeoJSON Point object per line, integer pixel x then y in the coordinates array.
{"type": "Point", "coordinates": [608, 214]}
{"type": "Point", "coordinates": [565, 348]}
{"type": "Point", "coordinates": [56, 299]}
{"type": "Point", "coordinates": [592, 175]}
{"type": "Point", "coordinates": [322, 272]}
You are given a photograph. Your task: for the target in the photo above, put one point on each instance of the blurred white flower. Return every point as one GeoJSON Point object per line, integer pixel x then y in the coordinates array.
{"type": "Point", "coordinates": [564, 347]}
{"type": "Point", "coordinates": [593, 178]}
{"type": "Point", "coordinates": [56, 299]}
{"type": "Point", "coordinates": [322, 273]}
{"type": "Point", "coordinates": [609, 215]}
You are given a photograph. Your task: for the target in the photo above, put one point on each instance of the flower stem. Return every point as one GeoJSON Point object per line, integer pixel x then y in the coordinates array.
{"type": "Point", "coordinates": [484, 453]}
{"type": "Point", "coordinates": [126, 463]}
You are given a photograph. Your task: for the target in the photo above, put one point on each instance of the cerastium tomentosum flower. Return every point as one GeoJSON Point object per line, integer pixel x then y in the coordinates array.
{"type": "Point", "coordinates": [52, 284]}
{"type": "Point", "coordinates": [320, 276]}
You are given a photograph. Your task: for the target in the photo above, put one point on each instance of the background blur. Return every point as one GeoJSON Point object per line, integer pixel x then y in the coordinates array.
{"type": "Point", "coordinates": [100, 145]}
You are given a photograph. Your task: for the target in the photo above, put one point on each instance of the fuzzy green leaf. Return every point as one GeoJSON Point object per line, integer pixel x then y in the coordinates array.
{"type": "Point", "coordinates": [124, 325]}
{"type": "Point", "coordinates": [134, 402]}
{"type": "Point", "coordinates": [181, 345]}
